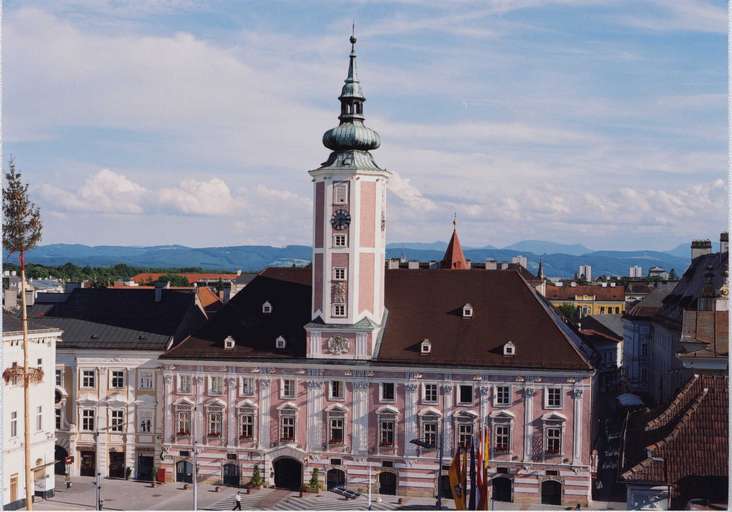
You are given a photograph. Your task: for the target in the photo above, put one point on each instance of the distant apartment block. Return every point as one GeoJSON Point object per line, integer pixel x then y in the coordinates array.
{"type": "Point", "coordinates": [635, 271]}
{"type": "Point", "coordinates": [584, 272]}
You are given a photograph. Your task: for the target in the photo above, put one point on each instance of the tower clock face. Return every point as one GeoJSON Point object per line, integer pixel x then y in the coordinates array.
{"type": "Point", "coordinates": [340, 220]}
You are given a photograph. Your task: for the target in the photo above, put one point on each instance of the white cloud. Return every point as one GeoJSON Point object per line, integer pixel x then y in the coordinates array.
{"type": "Point", "coordinates": [193, 197]}
{"type": "Point", "coordinates": [687, 15]}
{"type": "Point", "coordinates": [104, 192]}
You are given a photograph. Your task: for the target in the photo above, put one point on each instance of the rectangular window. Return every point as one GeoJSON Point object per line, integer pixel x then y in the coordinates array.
{"type": "Point", "coordinates": [336, 430]}
{"type": "Point", "coordinates": [59, 377]}
{"type": "Point", "coordinates": [58, 419]}
{"type": "Point", "coordinates": [386, 432]}
{"type": "Point", "coordinates": [39, 363]}
{"type": "Point", "coordinates": [39, 418]}
{"type": "Point", "coordinates": [503, 395]}
{"type": "Point", "coordinates": [88, 379]}
{"type": "Point", "coordinates": [247, 386]}
{"type": "Point", "coordinates": [340, 193]}
{"type": "Point", "coordinates": [465, 434]}
{"type": "Point", "coordinates": [429, 433]}
{"type": "Point", "coordinates": [215, 418]}
{"type": "Point", "coordinates": [553, 440]}
{"type": "Point", "coordinates": [644, 349]}
{"type": "Point", "coordinates": [118, 378]}
{"type": "Point", "coordinates": [146, 380]}
{"type": "Point", "coordinates": [145, 422]}
{"type": "Point", "coordinates": [215, 385]}
{"type": "Point", "coordinates": [387, 391]}
{"type": "Point", "coordinates": [87, 420]}
{"type": "Point", "coordinates": [287, 428]}
{"type": "Point", "coordinates": [339, 240]}
{"type": "Point", "coordinates": [337, 390]}
{"type": "Point", "coordinates": [184, 384]}
{"type": "Point", "coordinates": [246, 426]}
{"type": "Point", "coordinates": [14, 424]}
{"type": "Point", "coordinates": [502, 438]}
{"type": "Point", "coordinates": [118, 420]}
{"type": "Point", "coordinates": [288, 388]}
{"type": "Point", "coordinates": [465, 394]}
{"type": "Point", "coordinates": [554, 397]}
{"type": "Point", "coordinates": [339, 273]}
{"type": "Point", "coordinates": [430, 393]}
{"type": "Point", "coordinates": [339, 310]}
{"type": "Point", "coordinates": [184, 422]}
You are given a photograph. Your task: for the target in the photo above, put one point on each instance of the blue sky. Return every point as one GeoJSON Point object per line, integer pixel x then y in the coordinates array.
{"type": "Point", "coordinates": [600, 122]}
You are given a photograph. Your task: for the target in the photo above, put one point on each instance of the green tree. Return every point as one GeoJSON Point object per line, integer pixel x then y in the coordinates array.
{"type": "Point", "coordinates": [257, 480]}
{"type": "Point", "coordinates": [173, 279]}
{"type": "Point", "coordinates": [314, 483]}
{"type": "Point", "coordinates": [569, 312]}
{"type": "Point", "coordinates": [22, 230]}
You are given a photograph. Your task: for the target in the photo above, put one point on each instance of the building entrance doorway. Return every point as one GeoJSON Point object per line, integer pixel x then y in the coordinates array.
{"type": "Point", "coordinates": [88, 464]}
{"type": "Point", "coordinates": [145, 467]}
{"type": "Point", "coordinates": [387, 483]}
{"type": "Point", "coordinates": [501, 489]}
{"type": "Point", "coordinates": [288, 473]}
{"type": "Point", "coordinates": [336, 478]}
{"type": "Point", "coordinates": [551, 492]}
{"type": "Point", "coordinates": [231, 475]}
{"type": "Point", "coordinates": [59, 455]}
{"type": "Point", "coordinates": [184, 472]}
{"type": "Point", "coordinates": [116, 464]}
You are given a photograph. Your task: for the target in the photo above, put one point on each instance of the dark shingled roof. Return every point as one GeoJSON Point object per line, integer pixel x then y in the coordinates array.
{"type": "Point", "coordinates": [13, 324]}
{"type": "Point", "coordinates": [421, 304]}
{"type": "Point", "coordinates": [651, 303]}
{"type": "Point", "coordinates": [690, 433]}
{"type": "Point", "coordinates": [122, 315]}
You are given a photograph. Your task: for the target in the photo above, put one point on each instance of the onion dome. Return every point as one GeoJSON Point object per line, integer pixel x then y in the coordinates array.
{"type": "Point", "coordinates": [351, 134]}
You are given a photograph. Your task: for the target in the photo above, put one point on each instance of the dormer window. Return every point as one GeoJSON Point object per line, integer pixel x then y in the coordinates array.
{"type": "Point", "coordinates": [280, 343]}
{"type": "Point", "coordinates": [266, 308]}
{"type": "Point", "coordinates": [467, 311]}
{"type": "Point", "coordinates": [425, 347]}
{"type": "Point", "coordinates": [229, 343]}
{"type": "Point", "coordinates": [509, 349]}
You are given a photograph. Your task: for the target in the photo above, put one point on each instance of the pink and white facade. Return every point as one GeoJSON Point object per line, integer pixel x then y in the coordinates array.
{"type": "Point", "coordinates": [325, 385]}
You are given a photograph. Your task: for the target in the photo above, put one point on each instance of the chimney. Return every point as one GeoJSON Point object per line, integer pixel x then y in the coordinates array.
{"type": "Point", "coordinates": [413, 265]}
{"type": "Point", "coordinates": [393, 264]}
{"type": "Point", "coordinates": [491, 265]}
{"type": "Point", "coordinates": [10, 298]}
{"type": "Point", "coordinates": [227, 293]}
{"type": "Point", "coordinates": [700, 248]}
{"type": "Point", "coordinates": [724, 242]}
{"type": "Point", "coordinates": [159, 292]}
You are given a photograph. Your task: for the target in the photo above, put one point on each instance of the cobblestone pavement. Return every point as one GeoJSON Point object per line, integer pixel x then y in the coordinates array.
{"type": "Point", "coordinates": [132, 495]}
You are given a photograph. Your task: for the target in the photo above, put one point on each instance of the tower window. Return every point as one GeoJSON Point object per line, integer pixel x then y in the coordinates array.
{"type": "Point", "coordinates": [340, 193]}
{"type": "Point", "coordinates": [359, 108]}
{"type": "Point", "coordinates": [339, 240]}
{"type": "Point", "coordinates": [339, 274]}
{"type": "Point", "coordinates": [339, 310]}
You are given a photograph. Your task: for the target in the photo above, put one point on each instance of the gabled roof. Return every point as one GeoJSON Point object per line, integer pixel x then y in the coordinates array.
{"type": "Point", "coordinates": [610, 325]}
{"type": "Point", "coordinates": [421, 304]}
{"type": "Point", "coordinates": [690, 434]}
{"type": "Point", "coordinates": [454, 258]}
{"type": "Point", "coordinates": [651, 303]}
{"type": "Point", "coordinates": [192, 277]}
{"type": "Point", "coordinates": [12, 324]}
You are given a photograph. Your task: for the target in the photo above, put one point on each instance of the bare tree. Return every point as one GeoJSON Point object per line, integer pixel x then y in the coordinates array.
{"type": "Point", "coordinates": [21, 232]}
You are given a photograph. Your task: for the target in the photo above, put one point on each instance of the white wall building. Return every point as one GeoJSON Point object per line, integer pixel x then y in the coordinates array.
{"type": "Point", "coordinates": [635, 271]}
{"type": "Point", "coordinates": [42, 346]}
{"type": "Point", "coordinates": [584, 272]}
{"type": "Point", "coordinates": [521, 260]}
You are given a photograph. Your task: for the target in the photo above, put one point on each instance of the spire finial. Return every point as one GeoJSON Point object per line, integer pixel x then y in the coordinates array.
{"type": "Point", "coordinates": [454, 220]}
{"type": "Point", "coordinates": [353, 37]}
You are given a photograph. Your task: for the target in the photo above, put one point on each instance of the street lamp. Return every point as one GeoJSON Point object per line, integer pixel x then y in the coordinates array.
{"type": "Point", "coordinates": [424, 444]}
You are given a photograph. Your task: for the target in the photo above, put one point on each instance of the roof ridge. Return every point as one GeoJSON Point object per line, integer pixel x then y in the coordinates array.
{"type": "Point", "coordinates": [666, 416]}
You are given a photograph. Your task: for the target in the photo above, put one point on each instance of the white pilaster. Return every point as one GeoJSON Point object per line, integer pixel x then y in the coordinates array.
{"type": "Point", "coordinates": [360, 417]}
{"type": "Point", "coordinates": [447, 417]}
{"type": "Point", "coordinates": [312, 427]}
{"type": "Point", "coordinates": [529, 393]}
{"type": "Point", "coordinates": [264, 391]}
{"type": "Point", "coordinates": [231, 427]}
{"type": "Point", "coordinates": [167, 406]}
{"type": "Point", "coordinates": [410, 418]}
{"type": "Point", "coordinates": [577, 427]}
{"type": "Point", "coordinates": [200, 383]}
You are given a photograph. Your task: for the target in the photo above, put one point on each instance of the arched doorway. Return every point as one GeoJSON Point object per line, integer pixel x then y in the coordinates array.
{"type": "Point", "coordinates": [184, 471]}
{"type": "Point", "coordinates": [387, 483]}
{"type": "Point", "coordinates": [59, 456]}
{"type": "Point", "coordinates": [551, 492]}
{"type": "Point", "coordinates": [288, 473]}
{"type": "Point", "coordinates": [336, 478]}
{"type": "Point", "coordinates": [501, 490]}
{"type": "Point", "coordinates": [231, 475]}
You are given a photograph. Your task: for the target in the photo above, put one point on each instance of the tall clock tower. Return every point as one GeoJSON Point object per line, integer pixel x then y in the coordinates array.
{"type": "Point", "coordinates": [349, 233]}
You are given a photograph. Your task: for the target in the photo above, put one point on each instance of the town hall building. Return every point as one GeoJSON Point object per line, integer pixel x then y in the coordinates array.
{"type": "Point", "coordinates": [340, 365]}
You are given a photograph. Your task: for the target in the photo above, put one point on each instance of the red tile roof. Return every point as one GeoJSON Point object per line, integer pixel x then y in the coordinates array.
{"type": "Point", "coordinates": [614, 293]}
{"type": "Point", "coordinates": [147, 277]}
{"type": "Point", "coordinates": [690, 434]}
{"type": "Point", "coordinates": [454, 258]}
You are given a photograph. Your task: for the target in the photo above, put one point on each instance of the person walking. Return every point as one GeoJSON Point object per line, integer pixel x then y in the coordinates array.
{"type": "Point", "coordinates": [237, 501]}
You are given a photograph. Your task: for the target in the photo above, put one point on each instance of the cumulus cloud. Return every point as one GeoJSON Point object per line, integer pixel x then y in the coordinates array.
{"type": "Point", "coordinates": [193, 197]}
{"type": "Point", "coordinates": [104, 192]}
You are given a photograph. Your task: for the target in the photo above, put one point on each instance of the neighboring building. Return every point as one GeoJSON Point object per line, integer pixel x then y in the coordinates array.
{"type": "Point", "coordinates": [638, 338]}
{"type": "Point", "coordinates": [107, 373]}
{"type": "Point", "coordinates": [42, 356]}
{"type": "Point", "coordinates": [636, 291]}
{"type": "Point", "coordinates": [681, 449]}
{"type": "Point", "coordinates": [589, 299]}
{"type": "Point", "coordinates": [635, 271]}
{"type": "Point", "coordinates": [604, 333]}
{"type": "Point", "coordinates": [520, 260]}
{"type": "Point", "coordinates": [657, 272]}
{"type": "Point", "coordinates": [194, 278]}
{"type": "Point", "coordinates": [243, 279]}
{"type": "Point", "coordinates": [585, 272]}
{"type": "Point", "coordinates": [338, 366]}
{"type": "Point", "coordinates": [699, 287]}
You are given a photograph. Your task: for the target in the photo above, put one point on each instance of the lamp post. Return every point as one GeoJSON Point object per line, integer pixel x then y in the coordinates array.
{"type": "Point", "coordinates": [424, 444]}
{"type": "Point", "coordinates": [195, 458]}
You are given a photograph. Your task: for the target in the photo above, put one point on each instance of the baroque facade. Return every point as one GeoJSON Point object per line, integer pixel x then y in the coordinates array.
{"type": "Point", "coordinates": [340, 365]}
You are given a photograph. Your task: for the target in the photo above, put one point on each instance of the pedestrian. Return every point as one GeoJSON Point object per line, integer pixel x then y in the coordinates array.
{"type": "Point", "coordinates": [237, 501]}
{"type": "Point", "coordinates": [577, 507]}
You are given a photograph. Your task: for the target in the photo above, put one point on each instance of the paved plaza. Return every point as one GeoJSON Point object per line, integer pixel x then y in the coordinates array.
{"type": "Point", "coordinates": [133, 495]}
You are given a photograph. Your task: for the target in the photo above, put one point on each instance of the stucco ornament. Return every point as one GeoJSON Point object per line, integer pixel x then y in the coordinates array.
{"type": "Point", "coordinates": [338, 345]}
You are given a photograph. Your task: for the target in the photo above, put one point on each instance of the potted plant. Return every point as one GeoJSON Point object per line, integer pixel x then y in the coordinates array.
{"type": "Point", "coordinates": [257, 481]}
{"type": "Point", "coordinates": [314, 484]}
